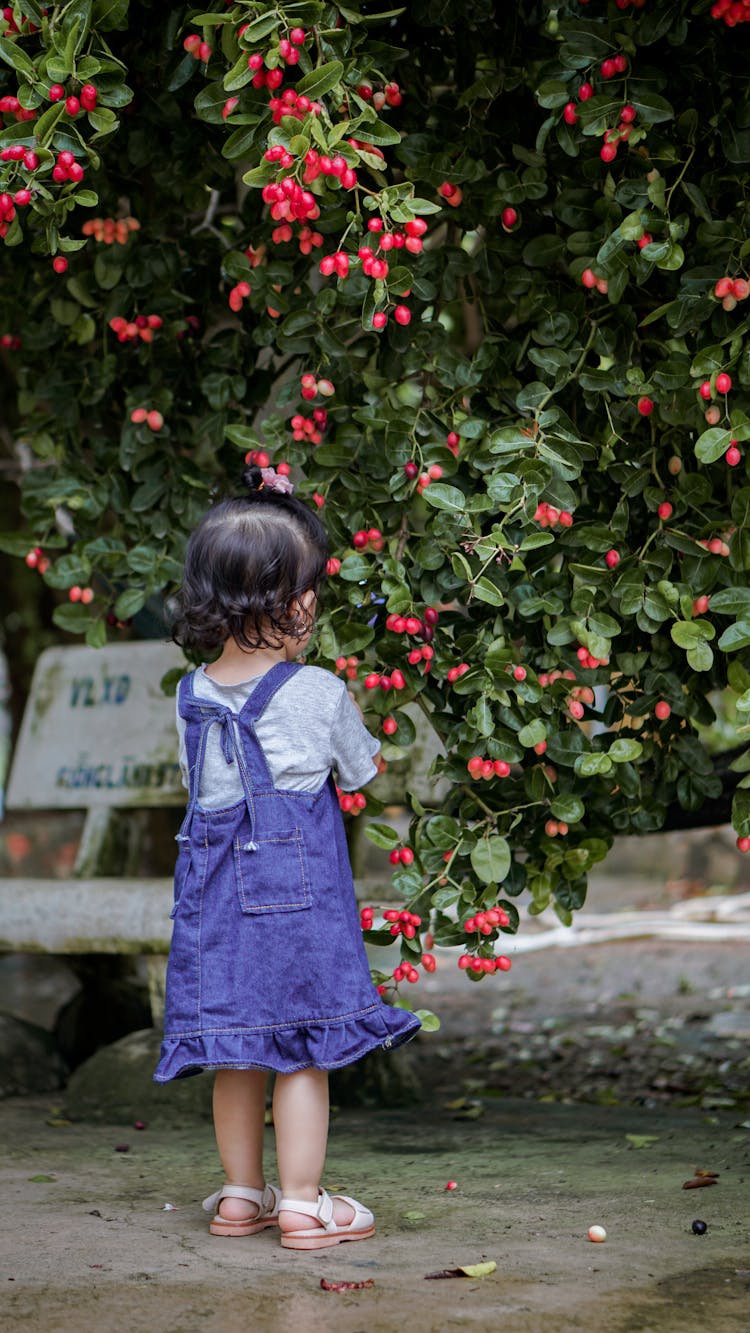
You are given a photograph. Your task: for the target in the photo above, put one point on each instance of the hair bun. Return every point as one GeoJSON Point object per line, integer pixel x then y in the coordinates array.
{"type": "Point", "coordinates": [252, 478]}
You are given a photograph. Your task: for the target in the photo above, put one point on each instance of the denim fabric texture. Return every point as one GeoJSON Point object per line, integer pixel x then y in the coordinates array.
{"type": "Point", "coordinates": [267, 968]}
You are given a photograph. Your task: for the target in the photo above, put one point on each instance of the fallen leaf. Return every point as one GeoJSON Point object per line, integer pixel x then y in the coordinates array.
{"type": "Point", "coordinates": [471, 1111]}
{"type": "Point", "coordinates": [456, 1105]}
{"type": "Point", "coordinates": [346, 1286]}
{"type": "Point", "coordinates": [699, 1183]}
{"type": "Point", "coordinates": [42, 1180]}
{"type": "Point", "coordinates": [466, 1270]}
{"type": "Point", "coordinates": [642, 1140]}
{"type": "Point", "coordinates": [414, 1216]}
{"type": "Point", "coordinates": [57, 1121]}
{"type": "Point", "coordinates": [710, 1175]}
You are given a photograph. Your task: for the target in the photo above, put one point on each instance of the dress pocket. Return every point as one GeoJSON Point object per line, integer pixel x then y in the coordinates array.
{"type": "Point", "coordinates": [272, 874]}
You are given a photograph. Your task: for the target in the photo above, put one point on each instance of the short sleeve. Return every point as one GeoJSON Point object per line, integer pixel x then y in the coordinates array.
{"type": "Point", "coordinates": [183, 759]}
{"type": "Point", "coordinates": [352, 747]}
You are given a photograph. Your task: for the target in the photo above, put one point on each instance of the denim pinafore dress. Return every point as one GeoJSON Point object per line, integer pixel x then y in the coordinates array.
{"type": "Point", "coordinates": [267, 967]}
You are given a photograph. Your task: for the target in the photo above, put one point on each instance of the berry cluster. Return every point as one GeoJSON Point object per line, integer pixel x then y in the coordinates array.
{"type": "Point", "coordinates": [337, 263]}
{"type": "Point", "coordinates": [732, 12]}
{"type": "Point", "coordinates": [286, 51]}
{"type": "Point", "coordinates": [479, 767]}
{"type": "Point", "coordinates": [238, 296]}
{"type": "Point", "coordinates": [472, 964]}
{"type": "Point", "coordinates": [320, 164]}
{"type": "Point", "coordinates": [731, 290]}
{"type": "Point", "coordinates": [77, 594]}
{"type": "Point", "coordinates": [110, 231]}
{"type": "Point", "coordinates": [9, 342]}
{"type": "Point", "coordinates": [423, 629]}
{"type": "Point", "coordinates": [590, 280]}
{"type": "Point", "coordinates": [433, 473]}
{"type": "Point", "coordinates": [405, 971]}
{"type": "Point", "coordinates": [348, 665]}
{"type": "Point", "coordinates": [402, 856]}
{"type": "Point", "coordinates": [310, 387]}
{"type": "Point", "coordinates": [36, 559]}
{"type": "Point", "coordinates": [587, 660]}
{"type": "Point", "coordinates": [402, 923]}
{"type": "Point", "coordinates": [372, 538]}
{"type": "Point", "coordinates": [485, 922]}
{"type": "Point", "coordinates": [619, 134]}
{"type": "Point", "coordinates": [390, 95]}
{"type": "Point", "coordinates": [85, 101]}
{"type": "Point", "coordinates": [309, 428]}
{"type": "Point", "coordinates": [351, 802]}
{"type": "Point", "coordinates": [450, 193]}
{"type": "Point", "coordinates": [456, 672]}
{"type": "Point", "coordinates": [197, 48]}
{"type": "Point", "coordinates": [424, 654]}
{"type": "Point", "coordinates": [409, 239]}
{"type": "Point", "coordinates": [715, 545]}
{"type": "Point", "coordinates": [143, 327]}
{"type": "Point", "coordinates": [396, 681]}
{"type": "Point", "coordinates": [547, 516]}
{"type": "Point", "coordinates": [16, 152]}
{"type": "Point", "coordinates": [555, 827]}
{"type": "Point", "coordinates": [10, 106]}
{"type": "Point", "coordinates": [153, 419]}
{"type": "Point", "coordinates": [290, 104]}
{"type": "Point", "coordinates": [67, 169]}
{"type": "Point", "coordinates": [13, 28]}
{"type": "Point", "coordinates": [258, 456]}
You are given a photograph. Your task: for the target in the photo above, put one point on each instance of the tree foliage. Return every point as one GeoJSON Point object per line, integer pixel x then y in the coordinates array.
{"type": "Point", "coordinates": [553, 348]}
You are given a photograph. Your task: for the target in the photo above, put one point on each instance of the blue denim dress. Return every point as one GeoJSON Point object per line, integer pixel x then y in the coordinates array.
{"type": "Point", "coordinates": [267, 967]}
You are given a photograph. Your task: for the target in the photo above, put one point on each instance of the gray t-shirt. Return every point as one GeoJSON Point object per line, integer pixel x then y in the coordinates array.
{"type": "Point", "coordinates": [308, 728]}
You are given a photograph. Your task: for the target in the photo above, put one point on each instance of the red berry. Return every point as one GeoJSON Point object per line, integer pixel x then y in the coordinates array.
{"type": "Point", "coordinates": [569, 113]}
{"type": "Point", "coordinates": [72, 106]}
{"type": "Point", "coordinates": [509, 218]}
{"type": "Point", "coordinates": [402, 314]}
{"type": "Point", "coordinates": [612, 558]}
{"type": "Point", "coordinates": [732, 456]}
{"type": "Point", "coordinates": [585, 91]}
{"type": "Point", "coordinates": [723, 383]}
{"type": "Point", "coordinates": [705, 389]}
{"type": "Point", "coordinates": [665, 510]}
{"type": "Point", "coordinates": [645, 406]}
{"type": "Point", "coordinates": [56, 92]}
{"type": "Point", "coordinates": [662, 710]}
{"type": "Point", "coordinates": [743, 844]}
{"type": "Point", "coordinates": [60, 264]}
{"type": "Point", "coordinates": [390, 726]}
{"type": "Point", "coordinates": [407, 856]}
{"type": "Point", "coordinates": [608, 152]}
{"type": "Point", "coordinates": [588, 278]}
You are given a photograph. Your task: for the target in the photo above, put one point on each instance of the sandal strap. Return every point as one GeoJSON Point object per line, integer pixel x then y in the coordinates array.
{"type": "Point", "coordinates": [266, 1199]}
{"type": "Point", "coordinates": [322, 1210]}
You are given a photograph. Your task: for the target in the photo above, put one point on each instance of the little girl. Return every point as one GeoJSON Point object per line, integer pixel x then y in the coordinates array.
{"type": "Point", "coordinates": [267, 968]}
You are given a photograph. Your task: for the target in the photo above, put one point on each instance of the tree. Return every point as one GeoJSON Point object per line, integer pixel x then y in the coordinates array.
{"type": "Point", "coordinates": [477, 275]}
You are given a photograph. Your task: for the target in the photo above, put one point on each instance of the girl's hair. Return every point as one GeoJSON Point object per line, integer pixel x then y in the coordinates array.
{"type": "Point", "coordinates": [246, 565]}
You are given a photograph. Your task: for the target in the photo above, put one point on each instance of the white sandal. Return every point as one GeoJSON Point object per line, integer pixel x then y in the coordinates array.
{"type": "Point", "coordinates": [268, 1201]}
{"type": "Point", "coordinates": [329, 1233]}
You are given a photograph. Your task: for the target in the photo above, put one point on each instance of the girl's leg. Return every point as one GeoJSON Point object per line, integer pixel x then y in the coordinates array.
{"type": "Point", "coordinates": [300, 1117]}
{"type": "Point", "coordinates": [239, 1114]}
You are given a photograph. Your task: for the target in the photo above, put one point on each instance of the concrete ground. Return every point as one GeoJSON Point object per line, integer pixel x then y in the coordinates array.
{"type": "Point", "coordinates": [88, 1244]}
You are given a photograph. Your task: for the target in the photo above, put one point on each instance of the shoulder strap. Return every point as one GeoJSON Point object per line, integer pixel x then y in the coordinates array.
{"type": "Point", "coordinates": [185, 695]}
{"type": "Point", "coordinates": [267, 688]}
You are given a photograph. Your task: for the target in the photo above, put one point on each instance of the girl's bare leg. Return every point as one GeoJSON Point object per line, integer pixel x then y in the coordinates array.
{"type": "Point", "coordinates": [239, 1114]}
{"type": "Point", "coordinates": [300, 1117]}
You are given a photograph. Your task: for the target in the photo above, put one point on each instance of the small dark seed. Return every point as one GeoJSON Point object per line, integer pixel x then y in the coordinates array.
{"type": "Point", "coordinates": [699, 1227]}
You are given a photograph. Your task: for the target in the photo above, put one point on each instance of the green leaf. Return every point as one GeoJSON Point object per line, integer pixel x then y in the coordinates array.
{"type": "Point", "coordinates": [430, 1022]}
{"type": "Point", "coordinates": [686, 633]}
{"type": "Point", "coordinates": [712, 444]}
{"type": "Point", "coordinates": [485, 589]}
{"type": "Point", "coordinates": [567, 807]}
{"type": "Point", "coordinates": [490, 858]}
{"type": "Point", "coordinates": [442, 496]}
{"type": "Point", "coordinates": [730, 601]}
{"type": "Point", "coordinates": [383, 836]}
{"type": "Point", "coordinates": [321, 81]}
{"type": "Point", "coordinates": [533, 733]}
{"type": "Point", "coordinates": [129, 603]}
{"type": "Point", "coordinates": [15, 56]}
{"type": "Point", "coordinates": [735, 637]}
{"type": "Point", "coordinates": [625, 751]}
